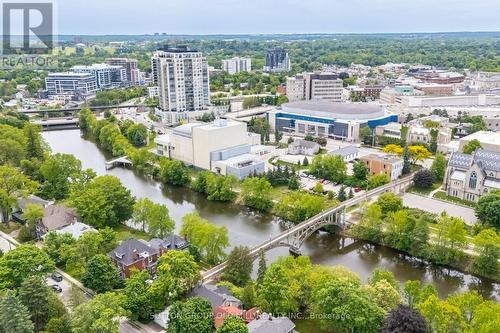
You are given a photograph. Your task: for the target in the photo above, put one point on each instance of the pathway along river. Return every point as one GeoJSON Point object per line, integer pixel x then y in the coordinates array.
{"type": "Point", "coordinates": [249, 228]}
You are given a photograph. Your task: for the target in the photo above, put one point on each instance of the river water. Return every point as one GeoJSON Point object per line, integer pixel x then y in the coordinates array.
{"type": "Point", "coordinates": [249, 228]}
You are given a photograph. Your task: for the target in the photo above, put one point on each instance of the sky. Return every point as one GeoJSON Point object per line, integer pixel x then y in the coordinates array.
{"type": "Point", "coordinates": [101, 17]}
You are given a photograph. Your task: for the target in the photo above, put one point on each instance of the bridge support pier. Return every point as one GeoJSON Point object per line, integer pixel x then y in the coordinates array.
{"type": "Point", "coordinates": [294, 251]}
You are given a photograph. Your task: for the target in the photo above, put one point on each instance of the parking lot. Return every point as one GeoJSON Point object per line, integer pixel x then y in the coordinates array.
{"type": "Point", "coordinates": [308, 183]}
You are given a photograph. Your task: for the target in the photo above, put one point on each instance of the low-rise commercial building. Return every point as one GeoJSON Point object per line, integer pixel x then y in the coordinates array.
{"type": "Point", "coordinates": [303, 147]}
{"type": "Point", "coordinates": [468, 177]}
{"type": "Point", "coordinates": [390, 165]}
{"type": "Point", "coordinates": [336, 120]}
{"type": "Point", "coordinates": [489, 140]}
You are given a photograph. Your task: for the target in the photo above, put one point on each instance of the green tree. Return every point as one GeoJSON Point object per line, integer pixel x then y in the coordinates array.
{"type": "Point", "coordinates": [384, 295]}
{"type": "Point", "coordinates": [329, 167]}
{"type": "Point", "coordinates": [34, 294]}
{"type": "Point", "coordinates": [294, 183]}
{"type": "Point", "coordinates": [13, 184]}
{"type": "Point", "coordinates": [381, 274]}
{"type": "Point", "coordinates": [22, 262]}
{"type": "Point", "coordinates": [177, 273]}
{"type": "Point", "coordinates": [488, 209]}
{"type": "Point", "coordinates": [33, 213]}
{"type": "Point", "coordinates": [370, 226]}
{"type": "Point", "coordinates": [35, 145]}
{"type": "Point", "coordinates": [360, 170]}
{"type": "Point", "coordinates": [103, 202]}
{"type": "Point", "coordinates": [365, 134]}
{"type": "Point", "coordinates": [341, 196]}
{"type": "Point", "coordinates": [58, 172]}
{"type": "Point", "coordinates": [101, 314]}
{"type": "Point", "coordinates": [221, 188]}
{"type": "Point", "coordinates": [375, 181]}
{"type": "Point", "coordinates": [257, 193]}
{"type": "Point", "coordinates": [438, 167]}
{"type": "Point", "coordinates": [14, 316]}
{"type": "Point", "coordinates": [59, 325]}
{"type": "Point", "coordinates": [318, 188]}
{"type": "Point", "coordinates": [442, 317]}
{"type": "Point", "coordinates": [200, 183]}
{"type": "Point", "coordinates": [305, 162]}
{"type": "Point", "coordinates": [138, 301]}
{"type": "Point", "coordinates": [389, 202]}
{"type": "Point", "coordinates": [298, 206]}
{"type": "Point", "coordinates": [137, 135]}
{"type": "Point", "coordinates": [233, 324]}
{"type": "Point", "coordinates": [208, 238]}
{"type": "Point", "coordinates": [239, 266]}
{"type": "Point", "coordinates": [174, 172]}
{"type": "Point", "coordinates": [153, 216]}
{"type": "Point", "coordinates": [487, 243]}
{"type": "Point", "coordinates": [261, 271]}
{"type": "Point", "coordinates": [471, 146]}
{"type": "Point", "coordinates": [192, 315]}
{"type": "Point", "coordinates": [337, 298]}
{"type": "Point", "coordinates": [100, 274]}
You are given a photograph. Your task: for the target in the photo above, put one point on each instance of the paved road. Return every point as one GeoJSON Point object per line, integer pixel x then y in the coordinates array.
{"type": "Point", "coordinates": [127, 326]}
{"type": "Point", "coordinates": [438, 206]}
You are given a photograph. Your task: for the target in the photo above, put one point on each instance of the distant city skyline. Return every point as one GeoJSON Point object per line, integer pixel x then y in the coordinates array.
{"type": "Point", "coordinates": [97, 17]}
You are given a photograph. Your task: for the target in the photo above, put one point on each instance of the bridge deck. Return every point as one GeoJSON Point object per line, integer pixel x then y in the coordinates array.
{"type": "Point", "coordinates": [279, 239]}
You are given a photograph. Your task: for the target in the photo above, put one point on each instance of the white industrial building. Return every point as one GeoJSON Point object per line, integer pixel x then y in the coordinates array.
{"type": "Point", "coordinates": [223, 147]}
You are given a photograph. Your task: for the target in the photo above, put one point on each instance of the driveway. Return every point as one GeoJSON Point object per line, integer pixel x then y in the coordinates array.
{"type": "Point", "coordinates": [438, 206]}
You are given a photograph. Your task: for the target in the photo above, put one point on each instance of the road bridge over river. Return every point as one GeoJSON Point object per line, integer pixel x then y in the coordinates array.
{"type": "Point", "coordinates": [294, 237]}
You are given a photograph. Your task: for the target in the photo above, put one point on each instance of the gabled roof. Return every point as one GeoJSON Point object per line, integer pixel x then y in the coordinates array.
{"type": "Point", "coordinates": [170, 242]}
{"type": "Point", "coordinates": [215, 295]}
{"type": "Point", "coordinates": [304, 143]}
{"type": "Point", "coordinates": [269, 324]}
{"type": "Point", "coordinates": [58, 216]}
{"type": "Point", "coordinates": [344, 151]}
{"type": "Point", "coordinates": [487, 160]}
{"type": "Point", "coordinates": [31, 199]}
{"type": "Point", "coordinates": [130, 250]}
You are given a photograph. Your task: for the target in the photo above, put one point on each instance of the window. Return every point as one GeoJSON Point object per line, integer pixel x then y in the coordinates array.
{"type": "Point", "coordinates": [473, 180]}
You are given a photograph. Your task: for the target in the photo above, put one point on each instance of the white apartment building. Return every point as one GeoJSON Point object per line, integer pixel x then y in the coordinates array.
{"type": "Point", "coordinates": [314, 86]}
{"type": "Point", "coordinates": [183, 83]}
{"type": "Point", "coordinates": [236, 65]}
{"type": "Point", "coordinates": [106, 76]}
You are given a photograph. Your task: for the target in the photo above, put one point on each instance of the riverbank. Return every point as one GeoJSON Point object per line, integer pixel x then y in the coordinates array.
{"type": "Point", "coordinates": [249, 228]}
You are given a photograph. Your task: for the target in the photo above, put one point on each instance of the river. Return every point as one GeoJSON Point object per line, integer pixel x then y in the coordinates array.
{"type": "Point", "coordinates": [249, 228]}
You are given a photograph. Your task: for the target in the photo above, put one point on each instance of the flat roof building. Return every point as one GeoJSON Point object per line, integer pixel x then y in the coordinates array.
{"type": "Point", "coordinates": [73, 86]}
{"type": "Point", "coordinates": [489, 140]}
{"type": "Point", "coordinates": [337, 120]}
{"type": "Point", "coordinates": [390, 165]}
{"type": "Point", "coordinates": [236, 65]}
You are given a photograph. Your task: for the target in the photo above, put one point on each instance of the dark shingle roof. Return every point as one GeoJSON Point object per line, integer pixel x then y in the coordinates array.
{"type": "Point", "coordinates": [130, 250]}
{"type": "Point", "coordinates": [170, 242]}
{"type": "Point", "coordinates": [268, 324]}
{"type": "Point", "coordinates": [215, 295]}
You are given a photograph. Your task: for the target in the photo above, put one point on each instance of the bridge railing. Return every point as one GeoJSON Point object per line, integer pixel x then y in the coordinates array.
{"type": "Point", "coordinates": [211, 273]}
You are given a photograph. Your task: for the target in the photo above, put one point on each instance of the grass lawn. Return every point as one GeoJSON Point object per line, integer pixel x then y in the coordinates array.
{"type": "Point", "coordinates": [424, 191]}
{"type": "Point", "coordinates": [125, 232]}
{"type": "Point", "coordinates": [443, 196]}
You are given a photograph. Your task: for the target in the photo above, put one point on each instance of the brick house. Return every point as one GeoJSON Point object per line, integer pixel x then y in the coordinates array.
{"type": "Point", "coordinates": [142, 255]}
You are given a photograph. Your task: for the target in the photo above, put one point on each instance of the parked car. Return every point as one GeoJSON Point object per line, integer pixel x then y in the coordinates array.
{"type": "Point", "coordinates": [357, 189]}
{"type": "Point", "coordinates": [302, 175]}
{"type": "Point", "coordinates": [56, 288]}
{"type": "Point", "coordinates": [56, 277]}
{"type": "Point", "coordinates": [326, 182]}
{"type": "Point", "coordinates": [311, 177]}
